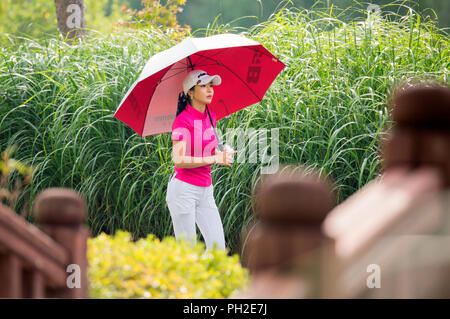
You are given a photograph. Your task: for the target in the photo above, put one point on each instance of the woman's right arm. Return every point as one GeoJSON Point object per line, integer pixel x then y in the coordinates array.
{"type": "Point", "coordinates": [182, 161]}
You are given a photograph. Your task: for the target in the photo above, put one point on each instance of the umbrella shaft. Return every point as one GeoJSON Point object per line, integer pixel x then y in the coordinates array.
{"type": "Point", "coordinates": [220, 145]}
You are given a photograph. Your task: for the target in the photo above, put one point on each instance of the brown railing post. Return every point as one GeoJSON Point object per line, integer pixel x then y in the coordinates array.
{"type": "Point", "coordinates": [33, 285]}
{"type": "Point", "coordinates": [61, 213]}
{"type": "Point", "coordinates": [421, 135]}
{"type": "Point", "coordinates": [282, 247]}
{"type": "Point", "coordinates": [29, 259]}
{"type": "Point", "coordinates": [10, 276]}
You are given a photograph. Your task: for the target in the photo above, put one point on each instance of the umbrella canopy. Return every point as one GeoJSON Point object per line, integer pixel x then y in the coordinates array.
{"type": "Point", "coordinates": [247, 70]}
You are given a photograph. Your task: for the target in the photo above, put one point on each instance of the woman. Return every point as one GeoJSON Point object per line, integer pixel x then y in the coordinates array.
{"type": "Point", "coordinates": [190, 193]}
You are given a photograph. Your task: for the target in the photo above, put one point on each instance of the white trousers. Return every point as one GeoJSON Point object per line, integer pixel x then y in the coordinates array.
{"type": "Point", "coordinates": [189, 204]}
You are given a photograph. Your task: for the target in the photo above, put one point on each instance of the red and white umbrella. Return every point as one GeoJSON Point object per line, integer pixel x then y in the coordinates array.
{"type": "Point", "coordinates": [247, 70]}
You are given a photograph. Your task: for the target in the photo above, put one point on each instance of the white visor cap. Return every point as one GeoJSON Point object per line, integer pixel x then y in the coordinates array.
{"type": "Point", "coordinates": [199, 77]}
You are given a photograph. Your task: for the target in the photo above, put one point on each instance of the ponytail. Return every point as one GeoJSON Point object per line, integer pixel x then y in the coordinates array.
{"type": "Point", "coordinates": [183, 100]}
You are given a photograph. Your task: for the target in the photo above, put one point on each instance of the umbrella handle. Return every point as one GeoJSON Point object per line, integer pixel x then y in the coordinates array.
{"type": "Point", "coordinates": [220, 144]}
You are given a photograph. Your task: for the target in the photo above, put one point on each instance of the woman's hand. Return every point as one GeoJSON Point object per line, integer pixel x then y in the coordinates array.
{"type": "Point", "coordinates": [225, 157]}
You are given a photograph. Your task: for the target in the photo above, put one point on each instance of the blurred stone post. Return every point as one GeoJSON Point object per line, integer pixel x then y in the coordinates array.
{"type": "Point", "coordinates": [421, 137]}
{"type": "Point", "coordinates": [421, 133]}
{"type": "Point", "coordinates": [284, 247]}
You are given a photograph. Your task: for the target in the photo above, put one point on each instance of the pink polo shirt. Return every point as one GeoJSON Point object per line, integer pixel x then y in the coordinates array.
{"type": "Point", "coordinates": [194, 127]}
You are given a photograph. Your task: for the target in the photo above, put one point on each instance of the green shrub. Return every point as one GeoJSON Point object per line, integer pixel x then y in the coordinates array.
{"type": "Point", "coordinates": [150, 268]}
{"type": "Point", "coordinates": [13, 172]}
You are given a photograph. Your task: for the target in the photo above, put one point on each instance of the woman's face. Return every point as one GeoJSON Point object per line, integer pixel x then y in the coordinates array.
{"type": "Point", "coordinates": [202, 93]}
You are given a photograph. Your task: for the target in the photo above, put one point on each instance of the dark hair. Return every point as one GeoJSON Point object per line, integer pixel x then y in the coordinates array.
{"type": "Point", "coordinates": [183, 100]}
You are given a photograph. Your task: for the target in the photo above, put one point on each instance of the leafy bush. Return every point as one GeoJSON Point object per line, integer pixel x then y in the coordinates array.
{"type": "Point", "coordinates": [8, 168]}
{"type": "Point", "coordinates": [154, 14]}
{"type": "Point", "coordinates": [150, 268]}
{"type": "Point", "coordinates": [157, 14]}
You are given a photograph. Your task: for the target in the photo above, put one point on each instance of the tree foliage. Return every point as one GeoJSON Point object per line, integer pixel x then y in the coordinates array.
{"type": "Point", "coordinates": [37, 19]}
{"type": "Point", "coordinates": [155, 13]}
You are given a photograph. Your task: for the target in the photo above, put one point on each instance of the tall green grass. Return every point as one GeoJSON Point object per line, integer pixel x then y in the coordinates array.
{"type": "Point", "coordinates": [57, 104]}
